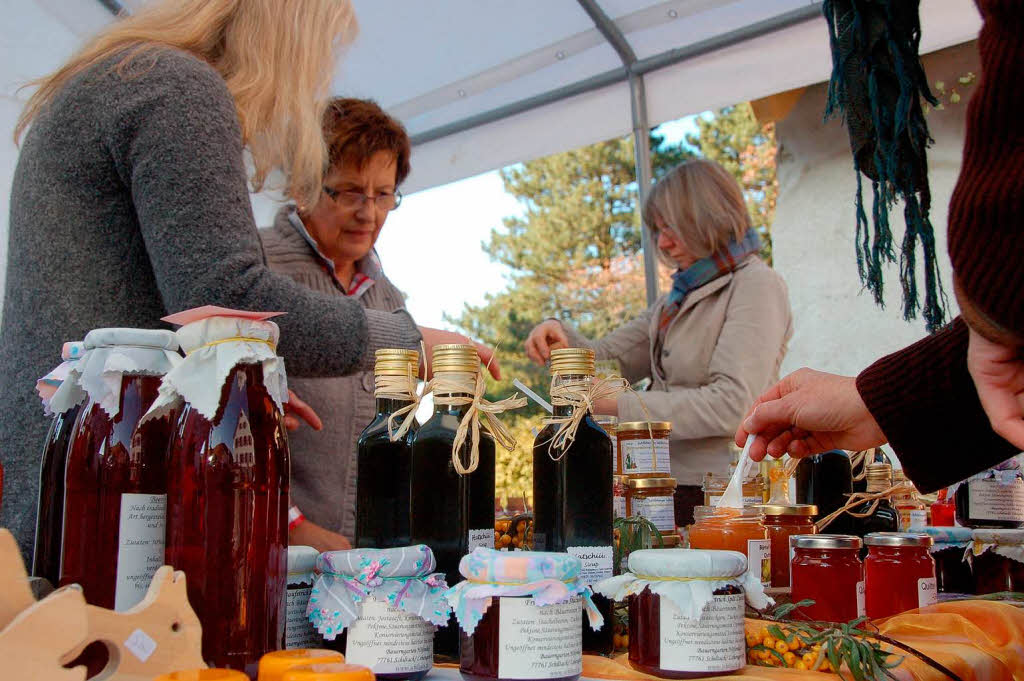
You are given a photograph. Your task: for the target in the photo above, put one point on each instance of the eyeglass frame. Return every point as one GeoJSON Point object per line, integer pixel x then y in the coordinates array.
{"type": "Point", "coordinates": [357, 203]}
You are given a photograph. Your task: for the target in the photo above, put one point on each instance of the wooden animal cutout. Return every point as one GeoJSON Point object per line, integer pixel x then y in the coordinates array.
{"type": "Point", "coordinates": [33, 644]}
{"type": "Point", "coordinates": [15, 595]}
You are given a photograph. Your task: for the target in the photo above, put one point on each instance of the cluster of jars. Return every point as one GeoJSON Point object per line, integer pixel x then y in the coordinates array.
{"type": "Point", "coordinates": [643, 485]}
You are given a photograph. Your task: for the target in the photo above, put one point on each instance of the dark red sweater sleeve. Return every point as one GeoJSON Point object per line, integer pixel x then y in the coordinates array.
{"type": "Point", "coordinates": [926, 404]}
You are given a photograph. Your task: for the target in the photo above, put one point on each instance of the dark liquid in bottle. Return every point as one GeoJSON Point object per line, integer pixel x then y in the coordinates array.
{"type": "Point", "coordinates": [227, 520]}
{"type": "Point", "coordinates": [50, 515]}
{"type": "Point", "coordinates": [885, 518]}
{"type": "Point", "coordinates": [826, 481]}
{"type": "Point", "coordinates": [962, 506]}
{"type": "Point", "coordinates": [107, 459]}
{"type": "Point", "coordinates": [572, 505]}
{"type": "Point", "coordinates": [446, 506]}
{"type": "Point", "coordinates": [383, 481]}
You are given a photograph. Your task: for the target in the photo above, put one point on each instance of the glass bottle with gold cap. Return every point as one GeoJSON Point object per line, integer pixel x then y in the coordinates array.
{"type": "Point", "coordinates": [452, 512]}
{"type": "Point", "coordinates": [877, 515]}
{"type": "Point", "coordinates": [384, 466]}
{"type": "Point", "coordinates": [572, 484]}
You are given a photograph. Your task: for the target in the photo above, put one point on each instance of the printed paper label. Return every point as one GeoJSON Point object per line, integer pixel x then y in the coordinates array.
{"type": "Point", "coordinates": [140, 644]}
{"type": "Point", "coordinates": [759, 552]}
{"type": "Point", "coordinates": [619, 506]}
{"type": "Point", "coordinates": [918, 519]}
{"type": "Point", "coordinates": [992, 500]}
{"type": "Point", "coordinates": [140, 550]}
{"type": "Point", "coordinates": [298, 632]}
{"type": "Point", "coordinates": [389, 640]}
{"type": "Point", "coordinates": [714, 643]}
{"type": "Point", "coordinates": [596, 562]}
{"type": "Point", "coordinates": [539, 642]}
{"type": "Point", "coordinates": [861, 597]}
{"type": "Point", "coordinates": [927, 592]}
{"type": "Point", "coordinates": [638, 457]}
{"type": "Point", "coordinates": [478, 538]}
{"type": "Point", "coordinates": [661, 511]}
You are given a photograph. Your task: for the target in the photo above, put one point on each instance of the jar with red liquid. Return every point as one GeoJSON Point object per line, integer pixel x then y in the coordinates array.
{"type": "Point", "coordinates": [998, 561]}
{"type": "Point", "coordinates": [227, 482]}
{"type": "Point", "coordinates": [826, 569]}
{"type": "Point", "coordinates": [50, 509]}
{"type": "Point", "coordinates": [115, 479]}
{"type": "Point", "coordinates": [943, 510]}
{"type": "Point", "coordinates": [782, 521]}
{"type": "Point", "coordinates": [953, 573]}
{"type": "Point", "coordinates": [686, 611]}
{"type": "Point", "coordinates": [899, 573]}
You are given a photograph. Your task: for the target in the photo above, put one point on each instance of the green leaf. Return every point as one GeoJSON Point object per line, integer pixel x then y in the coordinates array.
{"type": "Point", "coordinates": [775, 631]}
{"type": "Point", "coordinates": [855, 661]}
{"type": "Point", "coordinates": [833, 656]}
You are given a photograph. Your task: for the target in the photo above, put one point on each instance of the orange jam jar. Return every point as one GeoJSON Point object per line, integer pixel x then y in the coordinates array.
{"type": "Point", "coordinates": [781, 521]}
{"type": "Point", "coordinates": [642, 450]}
{"type": "Point", "coordinates": [734, 529]}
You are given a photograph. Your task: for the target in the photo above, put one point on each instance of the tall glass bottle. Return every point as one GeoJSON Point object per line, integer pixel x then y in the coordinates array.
{"type": "Point", "coordinates": [384, 467]}
{"type": "Point", "coordinates": [50, 509]}
{"type": "Point", "coordinates": [451, 513]}
{"type": "Point", "coordinates": [572, 487]}
{"type": "Point", "coordinates": [825, 480]}
{"type": "Point", "coordinates": [884, 517]}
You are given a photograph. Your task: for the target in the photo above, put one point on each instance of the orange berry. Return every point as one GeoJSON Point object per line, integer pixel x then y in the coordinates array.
{"type": "Point", "coordinates": [790, 658]}
{"type": "Point", "coordinates": [809, 658]}
{"type": "Point", "coordinates": [768, 642]}
{"type": "Point", "coordinates": [801, 665]}
{"type": "Point", "coordinates": [795, 644]}
{"type": "Point", "coordinates": [781, 646]}
{"type": "Point", "coordinates": [752, 640]}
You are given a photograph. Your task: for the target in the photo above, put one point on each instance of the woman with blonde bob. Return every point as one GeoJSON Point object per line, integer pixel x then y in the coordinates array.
{"type": "Point", "coordinates": [130, 199]}
{"type": "Point", "coordinates": [712, 343]}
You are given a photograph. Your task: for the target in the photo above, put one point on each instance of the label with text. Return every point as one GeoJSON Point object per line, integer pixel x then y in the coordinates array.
{"type": "Point", "coordinates": [618, 506]}
{"type": "Point", "coordinates": [140, 546]}
{"type": "Point", "coordinates": [918, 519]}
{"type": "Point", "coordinates": [596, 562]}
{"type": "Point", "coordinates": [861, 599]}
{"type": "Point", "coordinates": [990, 499]}
{"type": "Point", "coordinates": [389, 640]}
{"type": "Point", "coordinates": [640, 457]}
{"type": "Point", "coordinates": [759, 555]}
{"type": "Point", "coordinates": [661, 511]}
{"type": "Point", "coordinates": [714, 643]}
{"type": "Point", "coordinates": [927, 592]}
{"type": "Point", "coordinates": [298, 632]}
{"type": "Point", "coordinates": [539, 642]}
{"type": "Point", "coordinates": [481, 538]}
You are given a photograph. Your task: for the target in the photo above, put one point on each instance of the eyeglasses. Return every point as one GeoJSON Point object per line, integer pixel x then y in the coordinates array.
{"type": "Point", "coordinates": [384, 201]}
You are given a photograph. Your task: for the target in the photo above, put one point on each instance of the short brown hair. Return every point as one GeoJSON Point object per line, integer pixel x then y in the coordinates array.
{"type": "Point", "coordinates": [356, 129]}
{"type": "Point", "coordinates": [702, 204]}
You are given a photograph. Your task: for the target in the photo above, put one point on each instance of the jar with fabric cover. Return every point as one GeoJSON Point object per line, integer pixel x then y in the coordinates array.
{"type": "Point", "coordinates": [993, 498]}
{"type": "Point", "coordinates": [298, 631]}
{"type": "Point", "coordinates": [115, 479]}
{"type": "Point", "coordinates": [228, 481]}
{"type": "Point", "coordinates": [783, 521]}
{"type": "Point", "coordinates": [953, 572]}
{"type": "Point", "coordinates": [997, 557]}
{"type": "Point", "coordinates": [273, 666]}
{"type": "Point", "coordinates": [643, 448]}
{"type": "Point", "coordinates": [385, 604]}
{"type": "Point", "coordinates": [686, 611]}
{"type": "Point", "coordinates": [899, 573]}
{"type": "Point", "coordinates": [519, 614]}
{"type": "Point", "coordinates": [734, 529]}
{"type": "Point", "coordinates": [826, 569]}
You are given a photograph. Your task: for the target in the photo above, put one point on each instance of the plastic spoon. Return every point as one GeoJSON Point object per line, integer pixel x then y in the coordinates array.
{"type": "Point", "coordinates": [733, 496]}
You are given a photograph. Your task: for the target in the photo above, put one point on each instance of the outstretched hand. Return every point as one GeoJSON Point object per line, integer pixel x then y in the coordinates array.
{"type": "Point", "coordinates": [998, 373]}
{"type": "Point", "coordinates": [432, 337]}
{"type": "Point", "coordinates": [547, 336]}
{"type": "Point", "coordinates": [296, 411]}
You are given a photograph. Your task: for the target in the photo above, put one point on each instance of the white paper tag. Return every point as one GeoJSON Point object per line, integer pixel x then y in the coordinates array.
{"type": "Point", "coordinates": [618, 506]}
{"type": "Point", "coordinates": [481, 538]}
{"type": "Point", "coordinates": [596, 562]}
{"type": "Point", "coordinates": [861, 598]}
{"type": "Point", "coordinates": [992, 500]}
{"type": "Point", "coordinates": [714, 643]}
{"type": "Point", "coordinates": [298, 632]}
{"type": "Point", "coordinates": [539, 642]}
{"type": "Point", "coordinates": [918, 519]}
{"type": "Point", "coordinates": [140, 645]}
{"type": "Point", "coordinates": [927, 592]}
{"type": "Point", "coordinates": [389, 640]}
{"type": "Point", "coordinates": [140, 546]}
{"type": "Point", "coordinates": [759, 554]}
{"type": "Point", "coordinates": [661, 511]}
{"type": "Point", "coordinates": [637, 457]}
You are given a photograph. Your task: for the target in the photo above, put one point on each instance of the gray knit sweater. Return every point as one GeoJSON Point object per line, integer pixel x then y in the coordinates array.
{"type": "Point", "coordinates": [130, 202]}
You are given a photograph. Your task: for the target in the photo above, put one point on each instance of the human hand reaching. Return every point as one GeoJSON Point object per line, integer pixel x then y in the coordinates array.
{"type": "Point", "coordinates": [998, 374]}
{"type": "Point", "coordinates": [296, 411]}
{"type": "Point", "coordinates": [547, 336]}
{"type": "Point", "coordinates": [432, 337]}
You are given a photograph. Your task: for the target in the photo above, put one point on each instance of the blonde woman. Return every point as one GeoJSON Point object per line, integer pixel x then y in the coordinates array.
{"type": "Point", "coordinates": [130, 200]}
{"type": "Point", "coordinates": [710, 345]}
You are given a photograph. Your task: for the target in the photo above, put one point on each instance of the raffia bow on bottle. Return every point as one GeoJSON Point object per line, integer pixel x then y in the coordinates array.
{"type": "Point", "coordinates": [858, 498]}
{"type": "Point", "coordinates": [399, 388]}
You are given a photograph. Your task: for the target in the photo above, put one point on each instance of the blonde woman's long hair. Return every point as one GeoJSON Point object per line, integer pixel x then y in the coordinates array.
{"type": "Point", "coordinates": [276, 56]}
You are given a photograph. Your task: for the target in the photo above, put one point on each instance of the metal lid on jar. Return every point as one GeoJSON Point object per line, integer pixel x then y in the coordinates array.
{"type": "Point", "coordinates": [455, 357]}
{"type": "Point", "coordinates": [572, 361]}
{"type": "Point", "coordinates": [395, 362]}
{"type": "Point", "coordinates": [788, 509]}
{"type": "Point", "coordinates": [878, 471]}
{"type": "Point", "coordinates": [645, 425]}
{"type": "Point", "coordinates": [651, 483]}
{"type": "Point", "coordinates": [896, 539]}
{"type": "Point", "coordinates": [824, 541]}
{"type": "Point", "coordinates": [607, 421]}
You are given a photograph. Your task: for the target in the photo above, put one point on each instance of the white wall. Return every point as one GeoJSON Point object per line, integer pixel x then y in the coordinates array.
{"type": "Point", "coordinates": [838, 327]}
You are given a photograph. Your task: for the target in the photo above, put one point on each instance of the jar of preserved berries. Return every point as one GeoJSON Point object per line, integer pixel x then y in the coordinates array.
{"type": "Point", "coordinates": [734, 529]}
{"type": "Point", "coordinates": [826, 569]}
{"type": "Point", "coordinates": [992, 499]}
{"type": "Point", "coordinates": [643, 449]}
{"type": "Point", "coordinates": [385, 604]}
{"type": "Point", "coordinates": [998, 560]}
{"type": "Point", "coordinates": [899, 573]}
{"type": "Point", "coordinates": [298, 631]}
{"type": "Point", "coordinates": [653, 499]}
{"type": "Point", "coordinates": [686, 611]}
{"type": "Point", "coordinates": [328, 671]}
{"type": "Point", "coordinates": [204, 675]}
{"type": "Point", "coordinates": [227, 481]}
{"type": "Point", "coordinates": [273, 666]}
{"type": "Point", "coordinates": [115, 479]}
{"type": "Point", "coordinates": [50, 509]}
{"type": "Point", "coordinates": [952, 570]}
{"type": "Point", "coordinates": [782, 521]}
{"type": "Point", "coordinates": [519, 615]}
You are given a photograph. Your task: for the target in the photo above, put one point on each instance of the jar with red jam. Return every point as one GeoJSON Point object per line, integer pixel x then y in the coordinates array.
{"type": "Point", "coordinates": [686, 611]}
{"type": "Point", "coordinates": [953, 573]}
{"type": "Point", "coordinates": [992, 499]}
{"type": "Point", "coordinates": [734, 529]}
{"type": "Point", "coordinates": [899, 573]}
{"type": "Point", "coordinates": [115, 479]}
{"type": "Point", "coordinates": [998, 561]}
{"type": "Point", "coordinates": [782, 521]}
{"type": "Point", "coordinates": [381, 605]}
{"type": "Point", "coordinates": [826, 569]}
{"type": "Point", "coordinates": [227, 482]}
{"type": "Point", "coordinates": [519, 615]}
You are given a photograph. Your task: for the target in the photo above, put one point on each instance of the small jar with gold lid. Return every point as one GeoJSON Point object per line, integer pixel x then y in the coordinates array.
{"type": "Point", "coordinates": [643, 450]}
{"type": "Point", "coordinates": [653, 499]}
{"type": "Point", "coordinates": [782, 521]}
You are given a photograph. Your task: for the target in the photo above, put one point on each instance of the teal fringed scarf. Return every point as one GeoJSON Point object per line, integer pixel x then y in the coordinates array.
{"type": "Point", "coordinates": [878, 83]}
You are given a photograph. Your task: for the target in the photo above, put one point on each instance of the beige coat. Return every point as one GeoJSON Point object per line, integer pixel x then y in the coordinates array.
{"type": "Point", "coordinates": [722, 349]}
